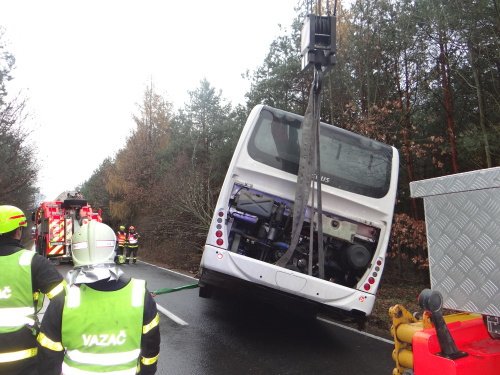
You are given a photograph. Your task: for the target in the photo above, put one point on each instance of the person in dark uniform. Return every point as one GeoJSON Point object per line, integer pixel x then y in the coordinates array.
{"type": "Point", "coordinates": [24, 275]}
{"type": "Point", "coordinates": [132, 245]}
{"type": "Point", "coordinates": [107, 323]}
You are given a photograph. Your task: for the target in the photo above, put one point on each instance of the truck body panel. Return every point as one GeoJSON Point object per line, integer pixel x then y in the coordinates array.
{"type": "Point", "coordinates": [462, 215]}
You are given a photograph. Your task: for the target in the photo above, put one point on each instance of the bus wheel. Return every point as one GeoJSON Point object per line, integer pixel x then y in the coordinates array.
{"type": "Point", "coordinates": [205, 291]}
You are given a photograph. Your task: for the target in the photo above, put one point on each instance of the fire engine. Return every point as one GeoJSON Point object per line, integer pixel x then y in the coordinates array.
{"type": "Point", "coordinates": [462, 215]}
{"type": "Point", "coordinates": [56, 221]}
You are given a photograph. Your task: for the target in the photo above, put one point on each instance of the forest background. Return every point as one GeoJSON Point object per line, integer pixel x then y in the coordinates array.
{"type": "Point", "coordinates": [423, 76]}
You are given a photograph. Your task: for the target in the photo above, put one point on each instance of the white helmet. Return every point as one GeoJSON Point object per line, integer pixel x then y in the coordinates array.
{"type": "Point", "coordinates": [93, 243]}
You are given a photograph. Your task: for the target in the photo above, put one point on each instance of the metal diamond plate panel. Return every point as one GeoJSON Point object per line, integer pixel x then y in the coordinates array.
{"type": "Point", "coordinates": [475, 180]}
{"type": "Point", "coordinates": [463, 235]}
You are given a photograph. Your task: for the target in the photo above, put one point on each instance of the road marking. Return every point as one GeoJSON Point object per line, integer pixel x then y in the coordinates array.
{"type": "Point", "coordinates": [166, 269]}
{"type": "Point", "coordinates": [357, 331]}
{"type": "Point", "coordinates": [170, 315]}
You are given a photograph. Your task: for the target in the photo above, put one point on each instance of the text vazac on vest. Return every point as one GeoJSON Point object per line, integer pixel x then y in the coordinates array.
{"type": "Point", "coordinates": [105, 339]}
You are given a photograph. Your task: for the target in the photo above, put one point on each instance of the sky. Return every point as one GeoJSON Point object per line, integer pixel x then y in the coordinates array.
{"type": "Point", "coordinates": [83, 67]}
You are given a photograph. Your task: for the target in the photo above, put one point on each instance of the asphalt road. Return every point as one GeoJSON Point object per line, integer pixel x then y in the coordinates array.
{"type": "Point", "coordinates": [227, 336]}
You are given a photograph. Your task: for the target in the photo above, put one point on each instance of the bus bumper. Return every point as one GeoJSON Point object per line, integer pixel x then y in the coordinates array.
{"type": "Point", "coordinates": [234, 272]}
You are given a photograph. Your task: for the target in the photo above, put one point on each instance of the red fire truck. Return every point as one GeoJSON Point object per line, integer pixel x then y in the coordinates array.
{"type": "Point", "coordinates": [55, 223]}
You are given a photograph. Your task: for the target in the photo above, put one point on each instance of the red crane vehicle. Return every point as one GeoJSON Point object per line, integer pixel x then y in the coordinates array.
{"type": "Point", "coordinates": [56, 221]}
{"type": "Point", "coordinates": [462, 214]}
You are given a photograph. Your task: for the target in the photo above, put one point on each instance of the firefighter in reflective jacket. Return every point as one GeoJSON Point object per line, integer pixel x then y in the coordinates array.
{"type": "Point", "coordinates": [132, 245]}
{"type": "Point", "coordinates": [121, 238]}
{"type": "Point", "coordinates": [107, 323]}
{"type": "Point", "coordinates": [24, 274]}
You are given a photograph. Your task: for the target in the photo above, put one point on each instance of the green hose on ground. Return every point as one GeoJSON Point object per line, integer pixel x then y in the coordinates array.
{"type": "Point", "coordinates": [170, 290]}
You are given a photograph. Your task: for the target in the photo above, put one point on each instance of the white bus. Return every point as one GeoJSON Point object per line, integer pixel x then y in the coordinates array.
{"type": "Point", "coordinates": [251, 226]}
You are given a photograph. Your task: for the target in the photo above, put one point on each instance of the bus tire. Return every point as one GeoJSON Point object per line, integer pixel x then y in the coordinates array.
{"type": "Point", "coordinates": [205, 291]}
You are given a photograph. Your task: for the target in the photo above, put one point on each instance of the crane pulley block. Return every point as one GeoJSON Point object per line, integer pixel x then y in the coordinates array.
{"type": "Point", "coordinates": [318, 45]}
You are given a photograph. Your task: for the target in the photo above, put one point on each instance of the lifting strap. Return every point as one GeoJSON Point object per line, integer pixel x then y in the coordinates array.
{"type": "Point", "coordinates": [309, 150]}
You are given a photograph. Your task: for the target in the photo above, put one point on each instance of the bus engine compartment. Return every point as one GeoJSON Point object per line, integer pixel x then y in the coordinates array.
{"type": "Point", "coordinates": [260, 227]}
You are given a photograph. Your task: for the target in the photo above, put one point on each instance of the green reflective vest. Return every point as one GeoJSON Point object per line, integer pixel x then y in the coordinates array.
{"type": "Point", "coordinates": [16, 291]}
{"type": "Point", "coordinates": [101, 330]}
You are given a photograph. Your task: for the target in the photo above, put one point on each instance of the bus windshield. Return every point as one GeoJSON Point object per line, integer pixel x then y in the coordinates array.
{"type": "Point", "coordinates": [349, 161]}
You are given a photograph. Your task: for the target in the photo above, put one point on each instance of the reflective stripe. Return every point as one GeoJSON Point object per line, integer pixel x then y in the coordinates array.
{"type": "Point", "coordinates": [108, 359]}
{"type": "Point", "coordinates": [56, 290]}
{"type": "Point", "coordinates": [55, 250]}
{"type": "Point", "coordinates": [138, 288]}
{"type": "Point", "coordinates": [68, 370]}
{"type": "Point", "coordinates": [25, 259]}
{"type": "Point", "coordinates": [80, 245]}
{"type": "Point", "coordinates": [73, 296]}
{"type": "Point", "coordinates": [17, 356]}
{"type": "Point", "coordinates": [69, 230]}
{"type": "Point", "coordinates": [149, 361]}
{"type": "Point", "coordinates": [148, 327]}
{"type": "Point", "coordinates": [48, 343]}
{"type": "Point", "coordinates": [104, 243]}
{"type": "Point", "coordinates": [17, 217]}
{"type": "Point", "coordinates": [16, 316]}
